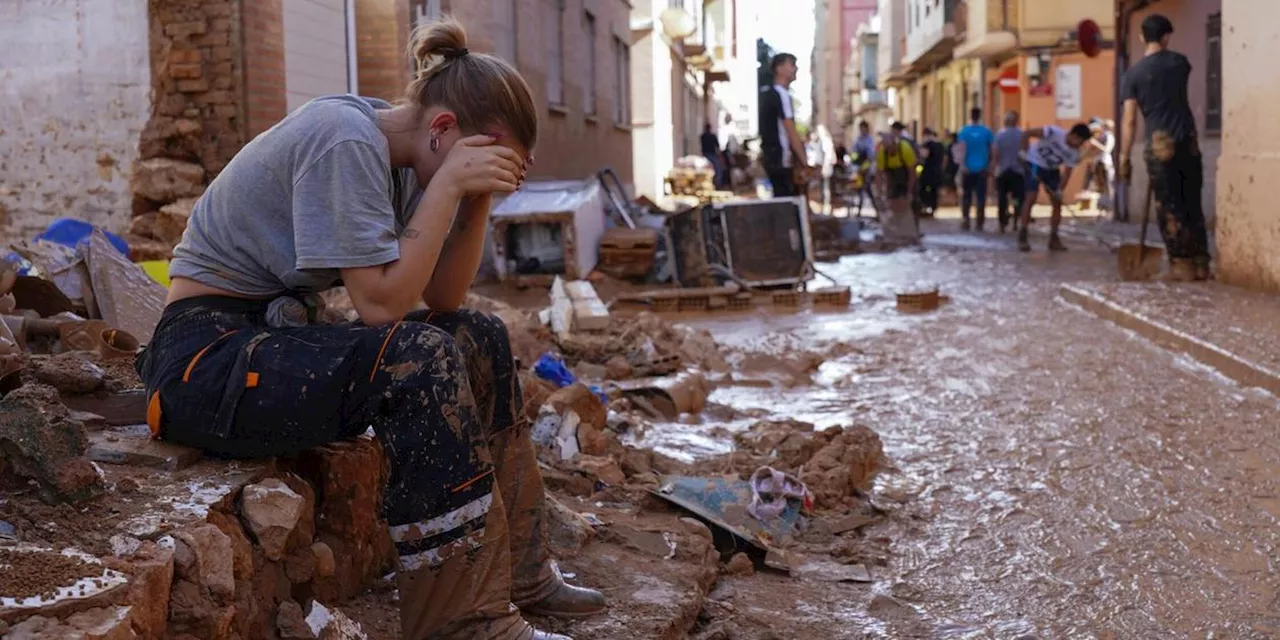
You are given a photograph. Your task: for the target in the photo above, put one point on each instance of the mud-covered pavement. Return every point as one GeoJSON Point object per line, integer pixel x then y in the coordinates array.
{"type": "Point", "coordinates": [1058, 477]}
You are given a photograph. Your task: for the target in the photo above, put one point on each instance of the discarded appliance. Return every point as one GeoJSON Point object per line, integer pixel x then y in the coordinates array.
{"type": "Point", "coordinates": [724, 504]}
{"type": "Point", "coordinates": [549, 228]}
{"type": "Point", "coordinates": [758, 243]}
{"type": "Point", "coordinates": [628, 253]}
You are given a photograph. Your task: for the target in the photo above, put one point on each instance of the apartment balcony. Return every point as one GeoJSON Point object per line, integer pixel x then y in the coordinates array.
{"type": "Point", "coordinates": [991, 32]}
{"type": "Point", "coordinates": [1049, 24]}
{"type": "Point", "coordinates": [870, 100]}
{"type": "Point", "coordinates": [934, 40]}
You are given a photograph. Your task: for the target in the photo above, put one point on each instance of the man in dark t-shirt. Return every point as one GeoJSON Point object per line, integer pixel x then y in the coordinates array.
{"type": "Point", "coordinates": [780, 145]}
{"type": "Point", "coordinates": [1157, 86]}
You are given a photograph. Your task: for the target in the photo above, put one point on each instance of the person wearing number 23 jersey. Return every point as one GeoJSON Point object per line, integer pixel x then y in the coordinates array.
{"type": "Point", "coordinates": [1047, 150]}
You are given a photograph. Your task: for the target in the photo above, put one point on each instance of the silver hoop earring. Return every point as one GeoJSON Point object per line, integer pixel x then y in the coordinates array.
{"type": "Point", "coordinates": [435, 144]}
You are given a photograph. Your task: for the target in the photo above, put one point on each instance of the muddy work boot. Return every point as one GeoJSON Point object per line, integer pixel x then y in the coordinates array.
{"type": "Point", "coordinates": [1024, 244]}
{"type": "Point", "coordinates": [1202, 270]}
{"type": "Point", "coordinates": [1180, 270]}
{"type": "Point", "coordinates": [1055, 243]}
{"type": "Point", "coordinates": [567, 601]}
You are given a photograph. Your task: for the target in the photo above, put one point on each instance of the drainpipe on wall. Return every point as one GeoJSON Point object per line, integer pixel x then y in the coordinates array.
{"type": "Point", "coordinates": [353, 72]}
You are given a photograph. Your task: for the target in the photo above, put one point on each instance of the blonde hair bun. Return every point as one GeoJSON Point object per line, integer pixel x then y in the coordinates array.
{"type": "Point", "coordinates": [433, 42]}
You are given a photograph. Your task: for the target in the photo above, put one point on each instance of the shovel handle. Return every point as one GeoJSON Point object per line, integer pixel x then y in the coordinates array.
{"type": "Point", "coordinates": [1146, 216]}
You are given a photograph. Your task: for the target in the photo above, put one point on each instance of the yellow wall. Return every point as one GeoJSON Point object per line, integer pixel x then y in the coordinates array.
{"type": "Point", "coordinates": [941, 99]}
{"type": "Point", "coordinates": [1045, 22]}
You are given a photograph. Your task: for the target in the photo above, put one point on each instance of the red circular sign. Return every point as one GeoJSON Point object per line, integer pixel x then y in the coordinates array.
{"type": "Point", "coordinates": [1008, 81]}
{"type": "Point", "coordinates": [1090, 38]}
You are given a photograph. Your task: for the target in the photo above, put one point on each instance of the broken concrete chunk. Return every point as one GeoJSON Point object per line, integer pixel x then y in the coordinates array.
{"type": "Point", "coordinates": [740, 565]}
{"type": "Point", "coordinates": [68, 373]}
{"type": "Point", "coordinates": [103, 623]}
{"type": "Point", "coordinates": [211, 563]}
{"type": "Point", "coordinates": [292, 623]}
{"type": "Point", "coordinates": [325, 564]}
{"type": "Point", "coordinates": [39, 441]}
{"type": "Point", "coordinates": [271, 509]}
{"type": "Point", "coordinates": [332, 624]}
{"type": "Point", "coordinates": [567, 531]}
{"type": "Point", "coordinates": [605, 470]}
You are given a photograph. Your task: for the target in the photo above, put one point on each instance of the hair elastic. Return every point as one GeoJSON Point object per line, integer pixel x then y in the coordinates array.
{"type": "Point", "coordinates": [456, 53]}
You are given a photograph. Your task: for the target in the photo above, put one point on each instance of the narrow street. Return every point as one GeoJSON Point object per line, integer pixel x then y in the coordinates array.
{"type": "Point", "coordinates": [1057, 476]}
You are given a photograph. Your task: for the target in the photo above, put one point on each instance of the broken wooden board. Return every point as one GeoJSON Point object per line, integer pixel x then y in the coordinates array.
{"type": "Point", "coordinates": [118, 409]}
{"type": "Point", "coordinates": [127, 297]}
{"type": "Point", "coordinates": [589, 313]}
{"type": "Point", "coordinates": [136, 448]}
{"type": "Point", "coordinates": [677, 293]}
{"type": "Point", "coordinates": [561, 309]}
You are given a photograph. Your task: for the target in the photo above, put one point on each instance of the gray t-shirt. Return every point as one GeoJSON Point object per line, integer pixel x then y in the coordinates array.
{"type": "Point", "coordinates": [312, 195]}
{"type": "Point", "coordinates": [1009, 145]}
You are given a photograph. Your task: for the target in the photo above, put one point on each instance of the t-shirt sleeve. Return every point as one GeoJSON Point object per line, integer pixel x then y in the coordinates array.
{"type": "Point", "coordinates": [342, 211]}
{"type": "Point", "coordinates": [785, 101]}
{"type": "Point", "coordinates": [908, 156]}
{"type": "Point", "coordinates": [1129, 85]}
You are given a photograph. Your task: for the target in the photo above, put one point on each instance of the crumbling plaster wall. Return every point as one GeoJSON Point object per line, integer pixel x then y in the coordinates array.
{"type": "Point", "coordinates": [75, 83]}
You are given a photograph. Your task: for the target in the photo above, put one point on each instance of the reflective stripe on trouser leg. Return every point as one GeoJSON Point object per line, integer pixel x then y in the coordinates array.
{"type": "Point", "coordinates": [485, 346]}
{"type": "Point", "coordinates": [463, 592]}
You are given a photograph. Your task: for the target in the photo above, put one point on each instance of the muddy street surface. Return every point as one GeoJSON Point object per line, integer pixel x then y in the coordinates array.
{"type": "Point", "coordinates": [1057, 476]}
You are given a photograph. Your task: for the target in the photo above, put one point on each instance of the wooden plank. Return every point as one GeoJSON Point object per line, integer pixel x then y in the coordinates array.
{"type": "Point", "coordinates": [561, 309]}
{"type": "Point", "coordinates": [687, 292]}
{"type": "Point", "coordinates": [129, 447]}
{"type": "Point", "coordinates": [118, 409]}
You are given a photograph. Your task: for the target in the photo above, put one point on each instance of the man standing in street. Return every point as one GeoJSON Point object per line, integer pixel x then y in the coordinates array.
{"type": "Point", "coordinates": [864, 152]}
{"type": "Point", "coordinates": [710, 144]}
{"type": "Point", "coordinates": [1157, 85]}
{"type": "Point", "coordinates": [978, 141]}
{"type": "Point", "coordinates": [932, 155]}
{"type": "Point", "coordinates": [1009, 172]}
{"type": "Point", "coordinates": [780, 143]}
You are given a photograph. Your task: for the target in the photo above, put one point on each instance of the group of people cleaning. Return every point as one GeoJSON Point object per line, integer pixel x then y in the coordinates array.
{"type": "Point", "coordinates": [1024, 162]}
{"type": "Point", "coordinates": [1017, 162]}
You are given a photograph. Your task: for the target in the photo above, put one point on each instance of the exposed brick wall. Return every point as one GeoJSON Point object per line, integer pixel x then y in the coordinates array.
{"type": "Point", "coordinates": [195, 78]}
{"type": "Point", "coordinates": [571, 144]}
{"type": "Point", "coordinates": [264, 80]}
{"type": "Point", "coordinates": [382, 34]}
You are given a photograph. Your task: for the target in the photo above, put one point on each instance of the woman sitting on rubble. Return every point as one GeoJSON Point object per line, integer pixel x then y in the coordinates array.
{"type": "Point", "coordinates": [331, 196]}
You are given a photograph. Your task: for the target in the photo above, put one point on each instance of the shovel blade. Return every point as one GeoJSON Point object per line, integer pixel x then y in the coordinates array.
{"type": "Point", "coordinates": [1136, 263]}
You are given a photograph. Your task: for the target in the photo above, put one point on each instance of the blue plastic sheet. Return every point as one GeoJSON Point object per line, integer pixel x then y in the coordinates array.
{"type": "Point", "coordinates": [67, 232]}
{"type": "Point", "coordinates": [553, 370]}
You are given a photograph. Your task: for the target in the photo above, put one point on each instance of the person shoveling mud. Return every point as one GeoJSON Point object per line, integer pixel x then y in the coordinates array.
{"type": "Point", "coordinates": [393, 202]}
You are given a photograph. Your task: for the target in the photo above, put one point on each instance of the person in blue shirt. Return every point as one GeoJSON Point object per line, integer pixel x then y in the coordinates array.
{"type": "Point", "coordinates": [978, 141]}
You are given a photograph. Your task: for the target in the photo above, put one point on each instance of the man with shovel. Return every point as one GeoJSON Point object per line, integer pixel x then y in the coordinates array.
{"type": "Point", "coordinates": [1157, 85]}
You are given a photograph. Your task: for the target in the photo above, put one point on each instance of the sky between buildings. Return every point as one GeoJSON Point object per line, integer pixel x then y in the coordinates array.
{"type": "Point", "coordinates": [788, 26]}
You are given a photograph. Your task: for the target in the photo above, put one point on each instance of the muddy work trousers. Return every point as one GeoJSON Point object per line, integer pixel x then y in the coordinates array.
{"type": "Point", "coordinates": [1176, 171]}
{"type": "Point", "coordinates": [464, 500]}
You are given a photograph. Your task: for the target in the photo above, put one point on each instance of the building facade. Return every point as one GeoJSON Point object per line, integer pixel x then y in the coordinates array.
{"type": "Point", "coordinates": [104, 96]}
{"type": "Point", "coordinates": [865, 101]}
{"type": "Point", "coordinates": [836, 26]}
{"type": "Point", "coordinates": [934, 89]}
{"type": "Point", "coordinates": [1032, 63]}
{"type": "Point", "coordinates": [682, 66]}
